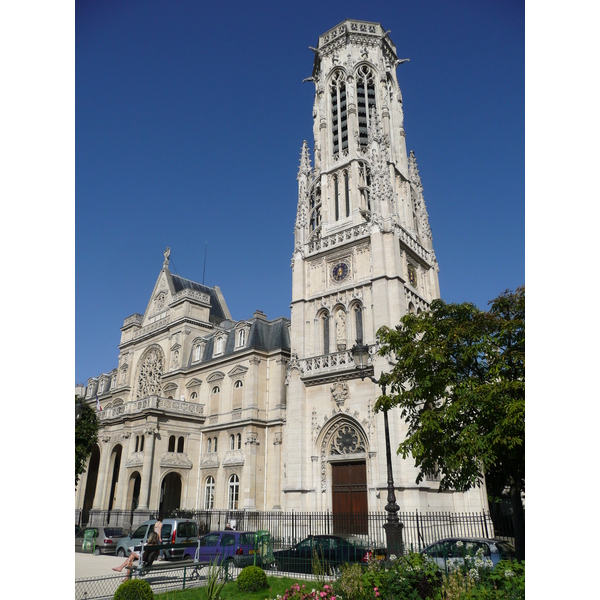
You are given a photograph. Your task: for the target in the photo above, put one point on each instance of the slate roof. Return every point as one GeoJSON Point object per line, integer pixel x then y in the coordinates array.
{"type": "Point", "coordinates": [180, 283]}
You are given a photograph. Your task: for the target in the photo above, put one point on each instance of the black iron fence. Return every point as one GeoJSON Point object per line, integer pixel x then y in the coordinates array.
{"type": "Point", "coordinates": [420, 529]}
{"type": "Point", "coordinates": [287, 528]}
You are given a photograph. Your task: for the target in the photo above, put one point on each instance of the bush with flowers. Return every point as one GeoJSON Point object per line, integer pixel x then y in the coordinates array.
{"type": "Point", "coordinates": [298, 592]}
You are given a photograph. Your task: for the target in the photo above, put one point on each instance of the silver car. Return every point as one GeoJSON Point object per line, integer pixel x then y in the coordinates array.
{"type": "Point", "coordinates": [99, 540]}
{"type": "Point", "coordinates": [174, 531]}
{"type": "Point", "coordinates": [453, 551]}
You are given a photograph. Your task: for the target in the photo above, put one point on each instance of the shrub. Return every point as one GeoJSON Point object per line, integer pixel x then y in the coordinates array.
{"type": "Point", "coordinates": [134, 589]}
{"type": "Point", "coordinates": [252, 579]}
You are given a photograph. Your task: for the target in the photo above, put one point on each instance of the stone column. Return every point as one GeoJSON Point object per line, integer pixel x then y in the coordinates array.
{"type": "Point", "coordinates": [122, 485]}
{"type": "Point", "coordinates": [146, 482]}
{"type": "Point", "coordinates": [250, 466]}
{"type": "Point", "coordinates": [102, 472]}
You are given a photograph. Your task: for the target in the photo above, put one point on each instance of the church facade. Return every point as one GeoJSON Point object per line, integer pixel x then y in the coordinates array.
{"type": "Point", "coordinates": [204, 412]}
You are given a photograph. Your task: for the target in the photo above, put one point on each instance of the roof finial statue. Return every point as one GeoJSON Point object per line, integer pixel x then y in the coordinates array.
{"type": "Point", "coordinates": [167, 253]}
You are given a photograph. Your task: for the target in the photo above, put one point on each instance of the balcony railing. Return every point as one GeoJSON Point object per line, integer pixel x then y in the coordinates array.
{"type": "Point", "coordinates": [151, 402]}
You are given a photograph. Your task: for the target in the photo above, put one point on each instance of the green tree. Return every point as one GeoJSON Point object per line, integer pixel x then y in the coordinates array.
{"type": "Point", "coordinates": [86, 436]}
{"type": "Point", "coordinates": [459, 380]}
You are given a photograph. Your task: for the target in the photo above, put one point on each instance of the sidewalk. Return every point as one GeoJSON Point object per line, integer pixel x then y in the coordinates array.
{"type": "Point", "coordinates": [88, 565]}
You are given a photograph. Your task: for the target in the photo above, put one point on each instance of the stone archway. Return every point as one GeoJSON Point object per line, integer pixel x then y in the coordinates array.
{"type": "Point", "coordinates": [90, 486]}
{"type": "Point", "coordinates": [115, 469]}
{"type": "Point", "coordinates": [344, 451]}
{"type": "Point", "coordinates": [133, 491]}
{"type": "Point", "coordinates": [170, 494]}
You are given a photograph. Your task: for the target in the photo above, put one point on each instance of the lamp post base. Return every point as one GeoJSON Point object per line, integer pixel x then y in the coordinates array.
{"type": "Point", "coordinates": [393, 534]}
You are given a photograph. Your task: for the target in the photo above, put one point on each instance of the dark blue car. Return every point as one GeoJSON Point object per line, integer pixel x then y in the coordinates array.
{"type": "Point", "coordinates": [221, 546]}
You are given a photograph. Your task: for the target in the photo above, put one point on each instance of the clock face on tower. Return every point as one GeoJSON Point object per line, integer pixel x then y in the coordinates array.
{"type": "Point", "coordinates": [339, 272]}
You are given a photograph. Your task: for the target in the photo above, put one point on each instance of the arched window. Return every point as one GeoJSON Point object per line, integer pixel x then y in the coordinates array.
{"type": "Point", "coordinates": [336, 197]}
{"type": "Point", "coordinates": [219, 345]}
{"type": "Point", "coordinates": [339, 115]}
{"type": "Point", "coordinates": [193, 396]}
{"type": "Point", "coordinates": [215, 443]}
{"type": "Point", "coordinates": [365, 96]}
{"type": "Point", "coordinates": [325, 332]}
{"type": "Point", "coordinates": [358, 322]}
{"type": "Point", "coordinates": [209, 493]}
{"type": "Point", "coordinates": [197, 353]}
{"type": "Point", "coordinates": [180, 444]}
{"type": "Point", "coordinates": [232, 442]}
{"type": "Point", "coordinates": [347, 192]}
{"type": "Point", "coordinates": [214, 400]}
{"type": "Point", "coordinates": [233, 492]}
{"type": "Point", "coordinates": [209, 446]}
{"type": "Point", "coordinates": [237, 394]}
{"type": "Point", "coordinates": [242, 337]}
{"type": "Point", "coordinates": [141, 443]}
{"type": "Point", "coordinates": [137, 443]}
{"type": "Point", "coordinates": [172, 444]}
{"type": "Point", "coordinates": [238, 439]}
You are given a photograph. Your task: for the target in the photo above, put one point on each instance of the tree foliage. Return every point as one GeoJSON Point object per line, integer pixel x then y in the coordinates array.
{"type": "Point", "coordinates": [459, 381]}
{"type": "Point", "coordinates": [86, 436]}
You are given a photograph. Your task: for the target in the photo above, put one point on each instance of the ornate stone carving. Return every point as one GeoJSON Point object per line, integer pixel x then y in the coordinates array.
{"type": "Point", "coordinates": [340, 392]}
{"type": "Point", "coordinates": [176, 459]}
{"type": "Point", "coordinates": [151, 371]}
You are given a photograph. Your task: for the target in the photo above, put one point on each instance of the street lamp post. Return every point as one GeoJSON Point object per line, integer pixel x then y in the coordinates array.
{"type": "Point", "coordinates": [393, 527]}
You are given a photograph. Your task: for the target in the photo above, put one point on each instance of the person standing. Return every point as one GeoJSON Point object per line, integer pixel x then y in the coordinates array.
{"type": "Point", "coordinates": [158, 528]}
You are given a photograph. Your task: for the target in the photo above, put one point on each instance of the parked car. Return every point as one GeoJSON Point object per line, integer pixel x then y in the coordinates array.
{"type": "Point", "coordinates": [174, 531]}
{"type": "Point", "coordinates": [331, 551]}
{"type": "Point", "coordinates": [220, 546]}
{"type": "Point", "coordinates": [99, 540]}
{"type": "Point", "coordinates": [454, 550]}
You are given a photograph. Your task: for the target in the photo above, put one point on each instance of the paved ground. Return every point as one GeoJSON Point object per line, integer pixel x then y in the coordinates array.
{"type": "Point", "coordinates": [88, 565]}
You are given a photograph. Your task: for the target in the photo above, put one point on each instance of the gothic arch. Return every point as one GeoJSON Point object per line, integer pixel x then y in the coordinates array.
{"type": "Point", "coordinates": [150, 371]}
{"type": "Point", "coordinates": [342, 437]}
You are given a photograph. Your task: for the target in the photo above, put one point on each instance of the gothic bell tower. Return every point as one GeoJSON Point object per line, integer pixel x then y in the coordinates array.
{"type": "Point", "coordinates": [363, 258]}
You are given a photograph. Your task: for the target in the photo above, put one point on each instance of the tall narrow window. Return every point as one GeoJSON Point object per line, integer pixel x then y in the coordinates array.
{"type": "Point", "coordinates": [347, 193]}
{"type": "Point", "coordinates": [242, 337]}
{"type": "Point", "coordinates": [336, 195]}
{"type": "Point", "coordinates": [209, 493]}
{"type": "Point", "coordinates": [214, 400]}
{"type": "Point", "coordinates": [171, 444]}
{"type": "Point", "coordinates": [232, 442]}
{"type": "Point", "coordinates": [197, 352]}
{"type": "Point", "coordinates": [339, 117]}
{"type": "Point", "coordinates": [234, 492]}
{"type": "Point", "coordinates": [237, 394]}
{"type": "Point", "coordinates": [137, 443]}
{"type": "Point", "coordinates": [141, 443]}
{"type": "Point", "coordinates": [365, 96]}
{"type": "Point", "coordinates": [209, 446]}
{"type": "Point", "coordinates": [358, 322]}
{"type": "Point", "coordinates": [325, 334]}
{"type": "Point", "coordinates": [238, 441]}
{"type": "Point", "coordinates": [214, 444]}
{"type": "Point", "coordinates": [180, 443]}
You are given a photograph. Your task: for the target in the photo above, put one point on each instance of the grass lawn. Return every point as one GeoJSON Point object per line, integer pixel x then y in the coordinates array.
{"type": "Point", "coordinates": [277, 585]}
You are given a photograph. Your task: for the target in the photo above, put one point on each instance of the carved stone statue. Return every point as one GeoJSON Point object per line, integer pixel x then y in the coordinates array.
{"type": "Point", "coordinates": [167, 253]}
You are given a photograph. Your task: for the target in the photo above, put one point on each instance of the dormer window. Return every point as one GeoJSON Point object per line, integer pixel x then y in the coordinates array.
{"type": "Point", "coordinates": [197, 352]}
{"type": "Point", "coordinates": [219, 345]}
{"type": "Point", "coordinates": [242, 337]}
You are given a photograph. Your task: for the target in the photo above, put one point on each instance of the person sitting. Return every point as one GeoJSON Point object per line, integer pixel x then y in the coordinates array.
{"type": "Point", "coordinates": [150, 555]}
{"type": "Point", "coordinates": [228, 526]}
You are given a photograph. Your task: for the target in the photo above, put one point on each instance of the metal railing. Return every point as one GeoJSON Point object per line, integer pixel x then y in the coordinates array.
{"type": "Point", "coordinates": [420, 529]}
{"type": "Point", "coordinates": [287, 528]}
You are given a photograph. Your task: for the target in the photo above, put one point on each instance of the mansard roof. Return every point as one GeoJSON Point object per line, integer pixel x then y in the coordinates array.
{"type": "Point", "coordinates": [217, 306]}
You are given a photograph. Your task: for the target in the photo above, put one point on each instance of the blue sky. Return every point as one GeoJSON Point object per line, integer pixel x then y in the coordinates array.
{"type": "Point", "coordinates": [189, 119]}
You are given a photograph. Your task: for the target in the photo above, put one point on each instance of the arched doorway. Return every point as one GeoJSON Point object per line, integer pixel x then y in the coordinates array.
{"type": "Point", "coordinates": [344, 449]}
{"type": "Point", "coordinates": [133, 492]}
{"type": "Point", "coordinates": [90, 486]}
{"type": "Point", "coordinates": [170, 494]}
{"type": "Point", "coordinates": [115, 461]}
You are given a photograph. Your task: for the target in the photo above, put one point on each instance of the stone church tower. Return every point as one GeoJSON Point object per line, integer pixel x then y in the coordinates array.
{"type": "Point", "coordinates": [363, 258]}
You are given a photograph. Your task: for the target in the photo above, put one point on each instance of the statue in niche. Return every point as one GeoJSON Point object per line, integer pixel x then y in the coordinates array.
{"type": "Point", "coordinates": [340, 330]}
